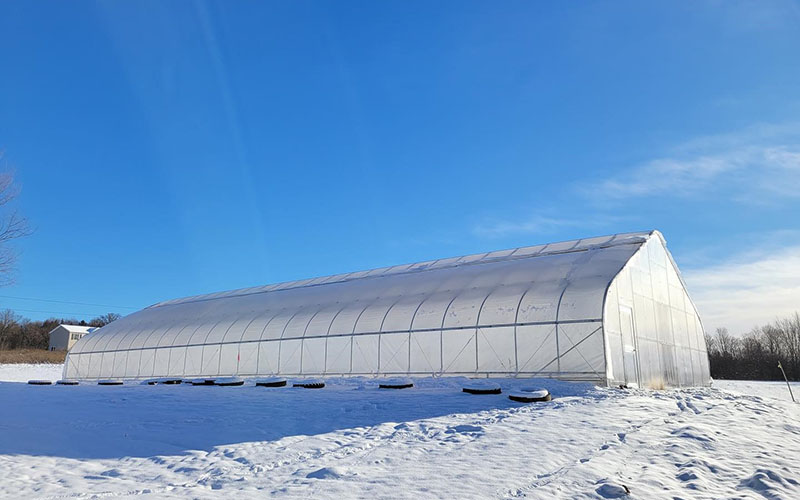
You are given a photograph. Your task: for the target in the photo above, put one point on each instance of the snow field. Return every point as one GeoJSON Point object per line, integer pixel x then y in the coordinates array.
{"type": "Point", "coordinates": [353, 440]}
{"type": "Point", "coordinates": [23, 372]}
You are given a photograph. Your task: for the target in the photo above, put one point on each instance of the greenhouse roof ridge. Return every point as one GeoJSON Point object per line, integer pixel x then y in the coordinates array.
{"type": "Point", "coordinates": [560, 247]}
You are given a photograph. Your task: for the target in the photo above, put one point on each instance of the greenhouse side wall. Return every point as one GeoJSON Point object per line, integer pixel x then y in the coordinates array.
{"type": "Point", "coordinates": [528, 312]}
{"type": "Point", "coordinates": [654, 336]}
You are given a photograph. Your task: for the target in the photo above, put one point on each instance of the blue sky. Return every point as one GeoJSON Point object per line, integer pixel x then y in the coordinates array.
{"type": "Point", "coordinates": [166, 149]}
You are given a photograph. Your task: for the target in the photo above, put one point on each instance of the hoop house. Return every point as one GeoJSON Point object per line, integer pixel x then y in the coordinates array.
{"type": "Point", "coordinates": [609, 309]}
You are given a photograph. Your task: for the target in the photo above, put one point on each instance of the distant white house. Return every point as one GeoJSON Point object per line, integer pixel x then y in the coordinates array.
{"type": "Point", "coordinates": [63, 337]}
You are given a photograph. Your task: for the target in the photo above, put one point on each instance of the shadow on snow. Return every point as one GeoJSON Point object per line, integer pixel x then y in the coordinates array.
{"type": "Point", "coordinates": [141, 421]}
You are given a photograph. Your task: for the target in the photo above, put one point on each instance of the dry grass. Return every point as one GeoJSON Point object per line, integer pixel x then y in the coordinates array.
{"type": "Point", "coordinates": [657, 384]}
{"type": "Point", "coordinates": [32, 356]}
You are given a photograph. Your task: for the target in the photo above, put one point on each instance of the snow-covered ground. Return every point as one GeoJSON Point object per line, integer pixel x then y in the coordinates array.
{"type": "Point", "coordinates": [777, 390]}
{"type": "Point", "coordinates": [353, 440]}
{"type": "Point", "coordinates": [23, 372]}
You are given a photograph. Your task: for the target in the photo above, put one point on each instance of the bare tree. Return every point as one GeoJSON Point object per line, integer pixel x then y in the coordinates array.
{"type": "Point", "coordinates": [104, 319]}
{"type": "Point", "coordinates": [772, 338]}
{"type": "Point", "coordinates": [790, 330]}
{"type": "Point", "coordinates": [9, 328]}
{"type": "Point", "coordinates": [12, 226]}
{"type": "Point", "coordinates": [727, 344]}
{"type": "Point", "coordinates": [755, 355]}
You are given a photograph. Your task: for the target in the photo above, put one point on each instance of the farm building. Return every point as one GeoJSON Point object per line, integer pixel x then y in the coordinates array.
{"type": "Point", "coordinates": [610, 309]}
{"type": "Point", "coordinates": [63, 337]}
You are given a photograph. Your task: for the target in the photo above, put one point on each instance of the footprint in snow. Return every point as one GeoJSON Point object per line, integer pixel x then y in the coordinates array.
{"type": "Point", "coordinates": [766, 481]}
{"type": "Point", "coordinates": [465, 429]}
{"type": "Point", "coordinates": [611, 490]}
{"type": "Point", "coordinates": [687, 476]}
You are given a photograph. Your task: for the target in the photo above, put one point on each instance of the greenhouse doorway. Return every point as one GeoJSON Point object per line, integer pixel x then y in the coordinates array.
{"type": "Point", "coordinates": [629, 352]}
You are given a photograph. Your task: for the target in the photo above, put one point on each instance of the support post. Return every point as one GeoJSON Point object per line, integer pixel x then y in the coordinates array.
{"type": "Point", "coordinates": [787, 382]}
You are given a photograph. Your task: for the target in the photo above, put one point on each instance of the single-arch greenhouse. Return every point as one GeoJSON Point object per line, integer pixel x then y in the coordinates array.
{"type": "Point", "coordinates": [611, 309]}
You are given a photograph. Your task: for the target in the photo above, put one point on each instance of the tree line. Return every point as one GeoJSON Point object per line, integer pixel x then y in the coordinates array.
{"type": "Point", "coordinates": [755, 355]}
{"type": "Point", "coordinates": [17, 332]}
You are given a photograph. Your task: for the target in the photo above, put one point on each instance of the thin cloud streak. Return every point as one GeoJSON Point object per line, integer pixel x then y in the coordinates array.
{"type": "Point", "coordinates": [749, 166]}
{"type": "Point", "coordinates": [745, 174]}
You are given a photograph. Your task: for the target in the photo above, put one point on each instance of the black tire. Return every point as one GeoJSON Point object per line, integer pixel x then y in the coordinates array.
{"type": "Point", "coordinates": [230, 384]}
{"type": "Point", "coordinates": [276, 383]}
{"type": "Point", "coordinates": [491, 390]}
{"type": "Point", "coordinates": [109, 382]}
{"type": "Point", "coordinates": [530, 398]}
{"type": "Point", "coordinates": [39, 382]}
{"type": "Point", "coordinates": [396, 386]}
{"type": "Point", "coordinates": [171, 381]}
{"type": "Point", "coordinates": [67, 382]}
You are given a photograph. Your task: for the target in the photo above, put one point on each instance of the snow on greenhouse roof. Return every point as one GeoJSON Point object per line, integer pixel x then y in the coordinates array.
{"type": "Point", "coordinates": [528, 252]}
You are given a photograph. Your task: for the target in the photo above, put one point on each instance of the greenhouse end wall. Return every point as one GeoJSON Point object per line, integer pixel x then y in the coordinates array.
{"type": "Point", "coordinates": [653, 334]}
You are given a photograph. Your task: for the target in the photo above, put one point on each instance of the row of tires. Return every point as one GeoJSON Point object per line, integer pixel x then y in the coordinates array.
{"type": "Point", "coordinates": [524, 395]}
{"type": "Point", "coordinates": [225, 381]}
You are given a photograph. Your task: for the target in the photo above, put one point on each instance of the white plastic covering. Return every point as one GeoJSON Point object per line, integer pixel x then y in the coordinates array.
{"type": "Point", "coordinates": [532, 311]}
{"type": "Point", "coordinates": [653, 333]}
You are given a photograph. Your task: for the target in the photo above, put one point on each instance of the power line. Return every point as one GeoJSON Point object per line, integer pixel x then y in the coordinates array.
{"type": "Point", "coordinates": [87, 315]}
{"type": "Point", "coordinates": [66, 302]}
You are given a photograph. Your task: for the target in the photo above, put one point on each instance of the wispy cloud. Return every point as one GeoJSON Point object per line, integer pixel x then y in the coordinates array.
{"type": "Point", "coordinates": [758, 165]}
{"type": "Point", "coordinates": [753, 165]}
{"type": "Point", "coordinates": [666, 175]}
{"type": "Point", "coordinates": [747, 290]}
{"type": "Point", "coordinates": [745, 174]}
